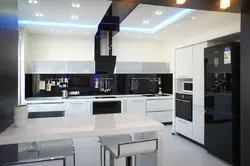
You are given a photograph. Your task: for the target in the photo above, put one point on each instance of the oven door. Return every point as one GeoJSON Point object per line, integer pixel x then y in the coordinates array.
{"type": "Point", "coordinates": [184, 109]}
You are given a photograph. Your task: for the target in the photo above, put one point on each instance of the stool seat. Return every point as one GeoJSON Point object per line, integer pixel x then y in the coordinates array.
{"type": "Point", "coordinates": [115, 139]}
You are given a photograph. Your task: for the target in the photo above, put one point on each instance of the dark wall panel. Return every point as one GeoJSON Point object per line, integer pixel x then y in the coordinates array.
{"type": "Point", "coordinates": [8, 71]}
{"type": "Point", "coordinates": [245, 82]}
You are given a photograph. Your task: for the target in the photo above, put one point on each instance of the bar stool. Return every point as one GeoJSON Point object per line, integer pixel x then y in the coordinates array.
{"type": "Point", "coordinates": [56, 148]}
{"type": "Point", "coordinates": [109, 140]}
{"type": "Point", "coordinates": [133, 148]}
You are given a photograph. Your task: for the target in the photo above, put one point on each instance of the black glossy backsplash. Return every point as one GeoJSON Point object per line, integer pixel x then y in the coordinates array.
{"type": "Point", "coordinates": [85, 84]}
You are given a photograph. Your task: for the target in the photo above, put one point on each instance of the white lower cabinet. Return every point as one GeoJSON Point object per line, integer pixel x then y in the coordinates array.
{"type": "Point", "coordinates": [46, 107]}
{"type": "Point", "coordinates": [198, 125]}
{"type": "Point", "coordinates": [163, 116]}
{"type": "Point", "coordinates": [136, 106]}
{"type": "Point", "coordinates": [184, 127]}
{"type": "Point", "coordinates": [78, 108]}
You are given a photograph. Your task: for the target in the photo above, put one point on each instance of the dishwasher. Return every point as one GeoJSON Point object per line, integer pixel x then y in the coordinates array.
{"type": "Point", "coordinates": [106, 107]}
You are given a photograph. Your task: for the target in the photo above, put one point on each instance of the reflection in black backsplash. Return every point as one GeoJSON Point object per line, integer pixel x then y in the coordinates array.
{"type": "Point", "coordinates": [48, 85]}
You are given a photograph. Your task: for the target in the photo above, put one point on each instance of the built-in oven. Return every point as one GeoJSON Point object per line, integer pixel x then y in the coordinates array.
{"type": "Point", "coordinates": [106, 106]}
{"type": "Point", "coordinates": [183, 106]}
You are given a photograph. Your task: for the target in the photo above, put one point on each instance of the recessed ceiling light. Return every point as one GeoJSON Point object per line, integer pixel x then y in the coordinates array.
{"type": "Point", "coordinates": [180, 2]}
{"type": "Point", "coordinates": [178, 25]}
{"type": "Point", "coordinates": [33, 1]}
{"type": "Point", "coordinates": [74, 17]}
{"type": "Point", "coordinates": [158, 12]}
{"type": "Point", "coordinates": [70, 31]}
{"type": "Point", "coordinates": [193, 18]}
{"type": "Point", "coordinates": [75, 5]}
{"type": "Point", "coordinates": [145, 22]}
{"type": "Point", "coordinates": [39, 14]}
{"type": "Point", "coordinates": [165, 31]}
{"type": "Point", "coordinates": [51, 30]}
{"type": "Point", "coordinates": [140, 34]}
{"type": "Point", "coordinates": [125, 34]}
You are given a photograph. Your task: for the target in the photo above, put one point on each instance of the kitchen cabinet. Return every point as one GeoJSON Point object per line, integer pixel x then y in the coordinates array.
{"type": "Point", "coordinates": [48, 67]}
{"type": "Point", "coordinates": [160, 109]}
{"type": "Point", "coordinates": [78, 108]}
{"type": "Point", "coordinates": [136, 106]}
{"type": "Point", "coordinates": [198, 76]}
{"type": "Point", "coordinates": [128, 67]}
{"type": "Point", "coordinates": [184, 62]}
{"type": "Point", "coordinates": [198, 125]}
{"type": "Point", "coordinates": [46, 107]}
{"type": "Point", "coordinates": [184, 127]}
{"type": "Point", "coordinates": [154, 67]}
{"type": "Point", "coordinates": [63, 67]}
{"type": "Point", "coordinates": [80, 67]}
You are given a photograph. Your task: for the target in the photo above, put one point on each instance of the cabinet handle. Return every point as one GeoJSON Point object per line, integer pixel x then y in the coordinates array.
{"type": "Point", "coordinates": [183, 100]}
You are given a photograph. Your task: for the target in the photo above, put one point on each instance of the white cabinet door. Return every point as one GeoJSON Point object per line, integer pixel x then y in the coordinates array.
{"type": "Point", "coordinates": [184, 62]}
{"type": "Point", "coordinates": [136, 106]}
{"type": "Point", "coordinates": [46, 107]}
{"type": "Point", "coordinates": [162, 116]}
{"type": "Point", "coordinates": [78, 108]}
{"type": "Point", "coordinates": [184, 127]}
{"type": "Point", "coordinates": [128, 67]}
{"type": "Point", "coordinates": [198, 125]}
{"type": "Point", "coordinates": [154, 67]}
{"type": "Point", "coordinates": [48, 67]}
{"type": "Point", "coordinates": [198, 70]}
{"type": "Point", "coordinates": [159, 105]}
{"type": "Point", "coordinates": [80, 67]}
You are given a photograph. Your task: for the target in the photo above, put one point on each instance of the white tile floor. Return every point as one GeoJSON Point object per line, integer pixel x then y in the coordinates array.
{"type": "Point", "coordinates": [177, 152]}
{"type": "Point", "coordinates": [181, 152]}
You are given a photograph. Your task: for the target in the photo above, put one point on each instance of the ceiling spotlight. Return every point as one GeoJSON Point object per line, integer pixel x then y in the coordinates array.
{"type": "Point", "coordinates": [178, 25]}
{"type": "Point", "coordinates": [193, 18]}
{"type": "Point", "coordinates": [145, 22]}
{"type": "Point", "coordinates": [125, 34]}
{"type": "Point", "coordinates": [225, 4]}
{"type": "Point", "coordinates": [140, 34]}
{"type": "Point", "coordinates": [180, 2]}
{"type": "Point", "coordinates": [39, 14]}
{"type": "Point", "coordinates": [158, 12]}
{"type": "Point", "coordinates": [70, 31]}
{"type": "Point", "coordinates": [74, 17]}
{"type": "Point", "coordinates": [33, 1]}
{"type": "Point", "coordinates": [75, 5]}
{"type": "Point", "coordinates": [51, 30]}
{"type": "Point", "coordinates": [165, 31]}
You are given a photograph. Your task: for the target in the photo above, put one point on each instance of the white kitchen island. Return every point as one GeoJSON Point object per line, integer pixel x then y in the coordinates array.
{"type": "Point", "coordinates": [84, 126]}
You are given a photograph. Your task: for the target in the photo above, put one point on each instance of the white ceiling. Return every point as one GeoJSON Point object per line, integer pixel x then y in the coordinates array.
{"type": "Point", "coordinates": [92, 11]}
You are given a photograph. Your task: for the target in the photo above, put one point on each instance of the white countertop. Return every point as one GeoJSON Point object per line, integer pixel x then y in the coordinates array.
{"type": "Point", "coordinates": [78, 127]}
{"type": "Point", "coordinates": [36, 100]}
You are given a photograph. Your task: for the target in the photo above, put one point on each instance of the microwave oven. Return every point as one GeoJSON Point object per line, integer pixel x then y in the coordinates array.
{"type": "Point", "coordinates": [188, 86]}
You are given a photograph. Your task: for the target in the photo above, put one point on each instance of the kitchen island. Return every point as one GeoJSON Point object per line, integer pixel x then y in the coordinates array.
{"type": "Point", "coordinates": [82, 127]}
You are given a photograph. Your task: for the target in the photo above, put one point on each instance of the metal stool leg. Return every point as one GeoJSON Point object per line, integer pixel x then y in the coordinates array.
{"type": "Point", "coordinates": [101, 153]}
{"type": "Point", "coordinates": [129, 161]}
{"type": "Point", "coordinates": [104, 156]}
{"type": "Point", "coordinates": [112, 160]}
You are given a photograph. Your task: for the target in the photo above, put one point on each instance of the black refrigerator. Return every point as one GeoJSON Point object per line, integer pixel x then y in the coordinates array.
{"type": "Point", "coordinates": [222, 101]}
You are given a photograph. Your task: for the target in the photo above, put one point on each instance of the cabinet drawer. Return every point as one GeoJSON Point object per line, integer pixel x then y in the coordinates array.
{"type": "Point", "coordinates": [136, 106]}
{"type": "Point", "coordinates": [184, 127]}
{"type": "Point", "coordinates": [46, 107]}
{"type": "Point", "coordinates": [77, 108]}
{"type": "Point", "coordinates": [164, 116]}
{"type": "Point", "coordinates": [159, 105]}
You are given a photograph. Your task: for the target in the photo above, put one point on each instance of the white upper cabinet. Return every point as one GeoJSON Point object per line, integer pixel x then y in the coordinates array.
{"type": "Point", "coordinates": [154, 67]}
{"type": "Point", "coordinates": [80, 67]}
{"type": "Point", "coordinates": [198, 74]}
{"type": "Point", "coordinates": [63, 67]}
{"type": "Point", "coordinates": [48, 67]}
{"type": "Point", "coordinates": [184, 62]}
{"type": "Point", "coordinates": [128, 67]}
